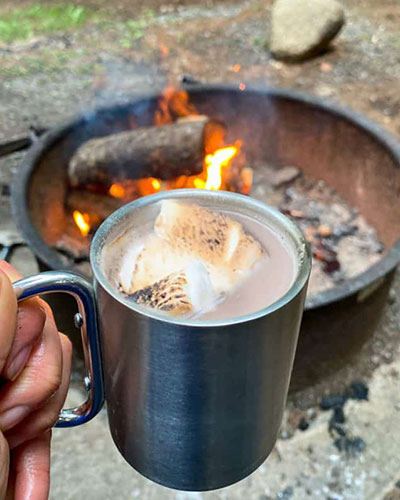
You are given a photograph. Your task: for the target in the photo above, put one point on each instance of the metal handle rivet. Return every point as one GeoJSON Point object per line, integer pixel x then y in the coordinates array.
{"type": "Point", "coordinates": [78, 320]}
{"type": "Point", "coordinates": [87, 383]}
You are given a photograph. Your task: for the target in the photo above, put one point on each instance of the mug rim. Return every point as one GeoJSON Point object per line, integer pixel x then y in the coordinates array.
{"type": "Point", "coordinates": [283, 222]}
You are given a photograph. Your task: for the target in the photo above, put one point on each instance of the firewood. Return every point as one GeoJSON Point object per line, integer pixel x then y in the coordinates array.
{"type": "Point", "coordinates": [72, 244]}
{"type": "Point", "coordinates": [98, 206]}
{"type": "Point", "coordinates": [164, 152]}
{"type": "Point", "coordinates": [74, 249]}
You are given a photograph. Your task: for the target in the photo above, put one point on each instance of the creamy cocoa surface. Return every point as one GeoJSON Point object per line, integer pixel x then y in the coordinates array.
{"type": "Point", "coordinates": [268, 280]}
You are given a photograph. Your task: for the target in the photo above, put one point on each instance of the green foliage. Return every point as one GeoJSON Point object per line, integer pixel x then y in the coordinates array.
{"type": "Point", "coordinates": [41, 18]}
{"type": "Point", "coordinates": [133, 29]}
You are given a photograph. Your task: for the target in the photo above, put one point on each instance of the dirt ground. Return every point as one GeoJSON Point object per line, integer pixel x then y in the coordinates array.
{"type": "Point", "coordinates": [207, 40]}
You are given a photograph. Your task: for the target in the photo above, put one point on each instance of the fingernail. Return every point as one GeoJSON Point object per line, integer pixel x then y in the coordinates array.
{"type": "Point", "coordinates": [12, 417]}
{"type": "Point", "coordinates": [18, 363]}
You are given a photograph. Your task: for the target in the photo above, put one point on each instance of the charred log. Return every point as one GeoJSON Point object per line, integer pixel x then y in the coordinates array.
{"type": "Point", "coordinates": [164, 152]}
{"type": "Point", "coordinates": [99, 206]}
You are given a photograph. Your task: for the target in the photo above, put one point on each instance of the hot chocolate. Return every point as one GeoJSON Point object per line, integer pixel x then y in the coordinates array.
{"type": "Point", "coordinates": [199, 263]}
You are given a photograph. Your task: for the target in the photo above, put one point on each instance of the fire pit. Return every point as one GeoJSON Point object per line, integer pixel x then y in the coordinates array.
{"type": "Point", "coordinates": [273, 127]}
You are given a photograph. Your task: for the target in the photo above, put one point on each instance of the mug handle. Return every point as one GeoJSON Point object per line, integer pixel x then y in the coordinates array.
{"type": "Point", "coordinates": [86, 319]}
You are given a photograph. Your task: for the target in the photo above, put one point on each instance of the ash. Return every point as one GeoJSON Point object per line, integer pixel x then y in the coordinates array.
{"type": "Point", "coordinates": [343, 243]}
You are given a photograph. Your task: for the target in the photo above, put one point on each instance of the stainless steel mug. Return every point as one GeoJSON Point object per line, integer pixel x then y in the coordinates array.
{"type": "Point", "coordinates": [192, 405]}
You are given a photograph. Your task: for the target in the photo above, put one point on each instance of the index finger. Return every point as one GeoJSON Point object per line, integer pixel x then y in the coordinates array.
{"type": "Point", "coordinates": [31, 463]}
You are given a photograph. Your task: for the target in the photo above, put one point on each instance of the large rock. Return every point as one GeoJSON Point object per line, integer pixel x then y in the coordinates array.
{"type": "Point", "coordinates": [303, 28]}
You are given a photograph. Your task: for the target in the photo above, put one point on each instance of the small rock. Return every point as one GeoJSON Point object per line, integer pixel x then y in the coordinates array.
{"type": "Point", "coordinates": [338, 415]}
{"type": "Point", "coordinates": [375, 359]}
{"type": "Point", "coordinates": [324, 230]}
{"type": "Point", "coordinates": [311, 413]}
{"type": "Point", "coordinates": [324, 90]}
{"type": "Point", "coordinates": [284, 175]}
{"type": "Point", "coordinates": [335, 472]}
{"type": "Point", "coordinates": [325, 67]}
{"type": "Point", "coordinates": [352, 446]}
{"type": "Point", "coordinates": [303, 424]}
{"type": "Point", "coordinates": [336, 428]}
{"type": "Point", "coordinates": [357, 390]}
{"type": "Point", "coordinates": [189, 79]}
{"type": "Point", "coordinates": [392, 297]}
{"type": "Point", "coordinates": [332, 401]}
{"type": "Point", "coordinates": [284, 434]}
{"type": "Point", "coordinates": [301, 29]}
{"type": "Point", "coordinates": [335, 496]}
{"type": "Point", "coordinates": [286, 493]}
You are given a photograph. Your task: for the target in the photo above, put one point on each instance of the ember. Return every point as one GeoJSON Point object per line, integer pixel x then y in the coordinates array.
{"type": "Point", "coordinates": [117, 191]}
{"type": "Point", "coordinates": [342, 242]}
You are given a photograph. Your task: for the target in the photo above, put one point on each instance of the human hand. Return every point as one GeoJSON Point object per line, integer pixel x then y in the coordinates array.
{"type": "Point", "coordinates": [35, 362]}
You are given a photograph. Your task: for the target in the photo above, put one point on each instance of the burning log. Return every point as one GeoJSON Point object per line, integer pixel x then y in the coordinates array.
{"type": "Point", "coordinates": [76, 250]}
{"type": "Point", "coordinates": [99, 206]}
{"type": "Point", "coordinates": [164, 152]}
{"type": "Point", "coordinates": [72, 244]}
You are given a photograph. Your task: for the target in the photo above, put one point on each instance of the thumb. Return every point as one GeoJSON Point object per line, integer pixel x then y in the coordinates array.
{"type": "Point", "coordinates": [10, 271]}
{"type": "Point", "coordinates": [22, 327]}
{"type": "Point", "coordinates": [8, 318]}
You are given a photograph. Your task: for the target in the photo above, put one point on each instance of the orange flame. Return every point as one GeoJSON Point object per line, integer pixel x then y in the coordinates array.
{"type": "Point", "coordinates": [199, 183]}
{"type": "Point", "coordinates": [82, 221]}
{"type": "Point", "coordinates": [117, 191]}
{"type": "Point", "coordinates": [236, 68]}
{"type": "Point", "coordinates": [215, 162]}
{"type": "Point", "coordinates": [173, 104]}
{"type": "Point", "coordinates": [247, 178]}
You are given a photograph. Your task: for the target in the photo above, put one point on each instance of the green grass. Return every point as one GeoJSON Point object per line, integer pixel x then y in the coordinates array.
{"type": "Point", "coordinates": [41, 18]}
{"type": "Point", "coordinates": [134, 29]}
{"type": "Point", "coordinates": [48, 61]}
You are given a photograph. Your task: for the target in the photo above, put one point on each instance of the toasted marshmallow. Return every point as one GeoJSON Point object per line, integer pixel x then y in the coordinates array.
{"type": "Point", "coordinates": [128, 267]}
{"type": "Point", "coordinates": [197, 255]}
{"type": "Point", "coordinates": [186, 292]}
{"type": "Point", "coordinates": [153, 260]}
{"type": "Point", "coordinates": [200, 289]}
{"type": "Point", "coordinates": [214, 238]}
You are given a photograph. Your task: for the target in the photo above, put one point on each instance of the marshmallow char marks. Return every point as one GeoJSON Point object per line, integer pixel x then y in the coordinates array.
{"type": "Point", "coordinates": [213, 237]}
{"type": "Point", "coordinates": [168, 295]}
